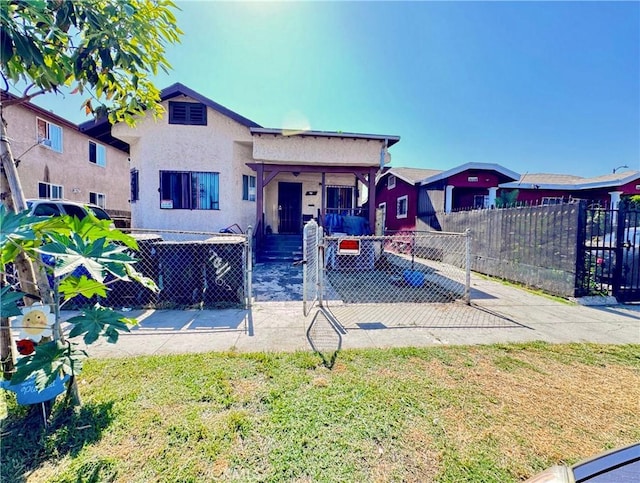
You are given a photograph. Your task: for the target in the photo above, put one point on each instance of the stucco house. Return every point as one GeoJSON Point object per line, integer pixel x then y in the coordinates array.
{"type": "Point", "coordinates": [55, 159]}
{"type": "Point", "coordinates": [204, 167]}
{"type": "Point", "coordinates": [546, 189]}
{"type": "Point", "coordinates": [397, 192]}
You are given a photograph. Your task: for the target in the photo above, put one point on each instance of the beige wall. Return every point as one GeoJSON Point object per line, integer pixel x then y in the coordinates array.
{"type": "Point", "coordinates": [70, 168]}
{"type": "Point", "coordinates": [310, 203]}
{"type": "Point", "coordinates": [226, 146]}
{"type": "Point", "coordinates": [222, 146]}
{"type": "Point", "coordinates": [317, 150]}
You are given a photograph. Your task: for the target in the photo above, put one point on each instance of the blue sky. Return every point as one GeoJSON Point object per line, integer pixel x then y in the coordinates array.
{"type": "Point", "coordinates": [533, 86]}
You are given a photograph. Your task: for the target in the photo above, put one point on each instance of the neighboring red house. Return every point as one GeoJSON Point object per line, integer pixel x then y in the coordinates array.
{"type": "Point", "coordinates": [470, 185]}
{"type": "Point", "coordinates": [397, 196]}
{"type": "Point", "coordinates": [551, 189]}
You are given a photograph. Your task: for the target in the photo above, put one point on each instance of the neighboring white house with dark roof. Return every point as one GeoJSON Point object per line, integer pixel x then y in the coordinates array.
{"type": "Point", "coordinates": [205, 167]}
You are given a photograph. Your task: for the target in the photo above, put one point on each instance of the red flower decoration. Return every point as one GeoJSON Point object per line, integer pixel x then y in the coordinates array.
{"type": "Point", "coordinates": [26, 346]}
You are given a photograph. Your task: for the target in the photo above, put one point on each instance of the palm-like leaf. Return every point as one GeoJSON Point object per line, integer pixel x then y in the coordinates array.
{"type": "Point", "coordinates": [48, 362]}
{"type": "Point", "coordinates": [99, 321]}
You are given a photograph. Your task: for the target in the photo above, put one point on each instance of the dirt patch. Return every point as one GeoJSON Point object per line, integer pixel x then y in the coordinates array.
{"type": "Point", "coordinates": [560, 413]}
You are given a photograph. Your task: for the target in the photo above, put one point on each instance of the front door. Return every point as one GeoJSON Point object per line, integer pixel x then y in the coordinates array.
{"type": "Point", "coordinates": [289, 207]}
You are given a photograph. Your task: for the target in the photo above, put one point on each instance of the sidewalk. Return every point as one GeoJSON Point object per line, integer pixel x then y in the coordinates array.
{"type": "Point", "coordinates": [498, 313]}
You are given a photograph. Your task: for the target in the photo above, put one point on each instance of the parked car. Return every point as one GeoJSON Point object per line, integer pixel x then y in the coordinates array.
{"type": "Point", "coordinates": [47, 207]}
{"type": "Point", "coordinates": [620, 465]}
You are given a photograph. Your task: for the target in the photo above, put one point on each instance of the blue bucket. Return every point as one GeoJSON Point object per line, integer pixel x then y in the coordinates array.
{"type": "Point", "coordinates": [414, 278]}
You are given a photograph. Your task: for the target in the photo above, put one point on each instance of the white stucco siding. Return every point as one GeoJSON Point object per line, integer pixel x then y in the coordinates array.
{"type": "Point", "coordinates": [160, 146]}
{"type": "Point", "coordinates": [317, 150]}
{"type": "Point", "coordinates": [70, 168]}
{"type": "Point", "coordinates": [311, 182]}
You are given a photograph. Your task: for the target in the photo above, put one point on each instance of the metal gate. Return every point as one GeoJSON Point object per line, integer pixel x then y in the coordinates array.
{"type": "Point", "coordinates": [311, 268]}
{"type": "Point", "coordinates": [610, 262]}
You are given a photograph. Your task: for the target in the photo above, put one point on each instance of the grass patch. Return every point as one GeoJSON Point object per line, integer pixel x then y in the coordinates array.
{"type": "Point", "coordinates": [490, 413]}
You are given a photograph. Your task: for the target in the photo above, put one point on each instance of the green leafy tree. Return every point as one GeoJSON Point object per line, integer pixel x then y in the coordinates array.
{"type": "Point", "coordinates": [104, 51]}
{"type": "Point", "coordinates": [507, 198]}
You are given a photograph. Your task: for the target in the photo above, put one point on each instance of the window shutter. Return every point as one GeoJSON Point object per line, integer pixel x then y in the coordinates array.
{"type": "Point", "coordinates": [177, 113]}
{"type": "Point", "coordinates": [191, 113]}
{"type": "Point", "coordinates": [197, 114]}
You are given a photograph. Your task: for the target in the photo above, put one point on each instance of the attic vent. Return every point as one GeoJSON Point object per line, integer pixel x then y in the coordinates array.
{"type": "Point", "coordinates": [192, 113]}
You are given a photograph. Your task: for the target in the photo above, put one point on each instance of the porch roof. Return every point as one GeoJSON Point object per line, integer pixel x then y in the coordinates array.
{"type": "Point", "coordinates": [391, 140]}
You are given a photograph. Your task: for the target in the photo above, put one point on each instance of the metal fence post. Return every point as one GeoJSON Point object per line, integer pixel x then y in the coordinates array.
{"type": "Point", "coordinates": [320, 262]}
{"type": "Point", "coordinates": [467, 288]}
{"type": "Point", "coordinates": [249, 268]}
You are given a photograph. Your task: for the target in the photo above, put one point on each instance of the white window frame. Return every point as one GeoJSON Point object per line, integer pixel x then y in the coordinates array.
{"type": "Point", "coordinates": [552, 200]}
{"type": "Point", "coordinates": [391, 182]}
{"type": "Point", "coordinates": [101, 154]}
{"type": "Point", "coordinates": [50, 188]}
{"type": "Point", "coordinates": [100, 199]}
{"type": "Point", "coordinates": [46, 135]}
{"type": "Point", "coordinates": [399, 201]}
{"type": "Point", "coordinates": [383, 206]}
{"type": "Point", "coordinates": [485, 201]}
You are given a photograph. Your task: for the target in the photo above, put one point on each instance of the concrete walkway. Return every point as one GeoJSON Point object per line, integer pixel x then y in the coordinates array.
{"type": "Point", "coordinates": [498, 313]}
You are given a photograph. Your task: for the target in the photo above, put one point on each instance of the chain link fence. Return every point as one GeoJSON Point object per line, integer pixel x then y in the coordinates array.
{"type": "Point", "coordinates": [191, 269]}
{"type": "Point", "coordinates": [402, 280]}
{"type": "Point", "coordinates": [412, 267]}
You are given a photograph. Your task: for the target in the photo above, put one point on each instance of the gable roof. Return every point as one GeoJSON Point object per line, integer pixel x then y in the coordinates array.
{"type": "Point", "coordinates": [410, 175]}
{"type": "Point", "coordinates": [464, 167]}
{"type": "Point", "coordinates": [178, 89]}
{"type": "Point", "coordinates": [391, 140]}
{"type": "Point", "coordinates": [84, 128]}
{"type": "Point", "coordinates": [570, 182]}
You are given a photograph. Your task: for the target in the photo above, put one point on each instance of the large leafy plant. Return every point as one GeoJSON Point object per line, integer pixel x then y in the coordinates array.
{"type": "Point", "coordinates": [67, 244]}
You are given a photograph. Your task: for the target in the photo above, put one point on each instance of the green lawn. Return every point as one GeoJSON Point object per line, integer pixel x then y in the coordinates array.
{"type": "Point", "coordinates": [490, 413]}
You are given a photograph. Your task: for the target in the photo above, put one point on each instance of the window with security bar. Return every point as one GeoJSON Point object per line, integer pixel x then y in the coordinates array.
{"type": "Point", "coordinates": [340, 199]}
{"type": "Point", "coordinates": [189, 190]}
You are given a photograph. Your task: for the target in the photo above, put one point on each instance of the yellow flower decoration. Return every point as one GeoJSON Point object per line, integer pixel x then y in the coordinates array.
{"type": "Point", "coordinates": [36, 322]}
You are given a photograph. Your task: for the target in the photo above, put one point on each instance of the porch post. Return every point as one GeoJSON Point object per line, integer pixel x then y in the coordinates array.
{"type": "Point", "coordinates": [492, 197]}
{"type": "Point", "coordinates": [615, 199]}
{"type": "Point", "coordinates": [260, 198]}
{"type": "Point", "coordinates": [371, 187]}
{"type": "Point", "coordinates": [323, 202]}
{"type": "Point", "coordinates": [448, 199]}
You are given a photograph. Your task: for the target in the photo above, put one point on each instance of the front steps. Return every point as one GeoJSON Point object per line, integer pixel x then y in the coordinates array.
{"type": "Point", "coordinates": [280, 248]}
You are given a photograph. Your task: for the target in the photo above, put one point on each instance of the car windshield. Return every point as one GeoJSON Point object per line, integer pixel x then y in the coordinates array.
{"type": "Point", "coordinates": [99, 213]}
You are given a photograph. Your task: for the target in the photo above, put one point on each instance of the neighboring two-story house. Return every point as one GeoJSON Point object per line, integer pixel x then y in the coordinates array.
{"type": "Point", "coordinates": [55, 159]}
{"type": "Point", "coordinates": [397, 192]}
{"type": "Point", "coordinates": [203, 167]}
